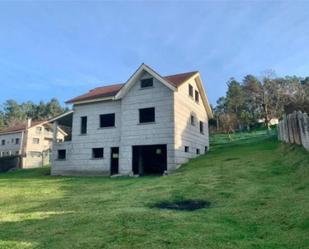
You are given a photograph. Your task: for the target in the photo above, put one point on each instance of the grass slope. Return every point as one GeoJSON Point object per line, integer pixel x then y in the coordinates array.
{"type": "Point", "coordinates": [258, 191]}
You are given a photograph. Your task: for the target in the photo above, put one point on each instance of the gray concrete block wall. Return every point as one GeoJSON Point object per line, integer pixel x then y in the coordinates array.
{"type": "Point", "coordinates": [79, 150]}
{"type": "Point", "coordinates": [185, 133]}
{"type": "Point", "coordinates": [160, 132]}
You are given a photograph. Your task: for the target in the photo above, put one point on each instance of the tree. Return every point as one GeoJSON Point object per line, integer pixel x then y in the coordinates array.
{"type": "Point", "coordinates": [53, 108]}
{"type": "Point", "coordinates": [13, 112]}
{"type": "Point", "coordinates": [41, 113]}
{"type": "Point", "coordinates": [235, 99]}
{"type": "Point", "coordinates": [228, 122]}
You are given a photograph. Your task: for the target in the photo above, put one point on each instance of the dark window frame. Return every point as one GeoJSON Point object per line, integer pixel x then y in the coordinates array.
{"type": "Point", "coordinates": [98, 153]}
{"type": "Point", "coordinates": [3, 142]}
{"type": "Point", "coordinates": [144, 117]}
{"type": "Point", "coordinates": [35, 140]}
{"type": "Point", "coordinates": [192, 120]}
{"type": "Point", "coordinates": [197, 96]}
{"type": "Point", "coordinates": [83, 125]}
{"type": "Point", "coordinates": [61, 154]}
{"type": "Point", "coordinates": [190, 89]}
{"type": "Point", "coordinates": [109, 122]}
{"type": "Point", "coordinates": [17, 141]}
{"type": "Point", "coordinates": [198, 151]}
{"type": "Point", "coordinates": [201, 127]}
{"type": "Point", "coordinates": [187, 149]}
{"type": "Point", "coordinates": [206, 149]}
{"type": "Point", "coordinates": [146, 83]}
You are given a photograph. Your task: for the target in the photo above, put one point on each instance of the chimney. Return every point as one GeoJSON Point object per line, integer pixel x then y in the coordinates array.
{"type": "Point", "coordinates": [29, 123]}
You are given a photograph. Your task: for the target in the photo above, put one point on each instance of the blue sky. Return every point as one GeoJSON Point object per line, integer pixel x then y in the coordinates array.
{"type": "Point", "coordinates": [62, 49]}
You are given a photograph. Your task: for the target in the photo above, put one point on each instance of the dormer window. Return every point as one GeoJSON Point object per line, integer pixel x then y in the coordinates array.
{"type": "Point", "coordinates": [147, 83]}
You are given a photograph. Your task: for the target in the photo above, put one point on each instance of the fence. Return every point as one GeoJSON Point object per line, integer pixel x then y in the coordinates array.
{"type": "Point", "coordinates": [9, 162]}
{"type": "Point", "coordinates": [294, 129]}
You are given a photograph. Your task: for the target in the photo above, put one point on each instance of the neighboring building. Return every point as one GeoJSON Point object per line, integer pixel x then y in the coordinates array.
{"type": "Point", "coordinates": [149, 125]}
{"type": "Point", "coordinates": [273, 121]}
{"type": "Point", "coordinates": [31, 140]}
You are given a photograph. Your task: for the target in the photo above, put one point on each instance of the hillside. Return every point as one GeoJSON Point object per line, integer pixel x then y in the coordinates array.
{"type": "Point", "coordinates": [257, 189]}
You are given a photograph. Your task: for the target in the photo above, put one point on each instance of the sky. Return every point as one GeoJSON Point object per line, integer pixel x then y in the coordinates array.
{"type": "Point", "coordinates": [65, 48]}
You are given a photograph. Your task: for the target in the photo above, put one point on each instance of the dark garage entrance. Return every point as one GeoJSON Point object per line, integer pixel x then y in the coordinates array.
{"type": "Point", "coordinates": [149, 159]}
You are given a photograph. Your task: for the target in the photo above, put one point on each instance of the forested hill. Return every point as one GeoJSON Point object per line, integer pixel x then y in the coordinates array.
{"type": "Point", "coordinates": [12, 112]}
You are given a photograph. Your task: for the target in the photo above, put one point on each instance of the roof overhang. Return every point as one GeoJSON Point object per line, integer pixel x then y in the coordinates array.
{"type": "Point", "coordinates": [61, 116]}
{"type": "Point", "coordinates": [12, 132]}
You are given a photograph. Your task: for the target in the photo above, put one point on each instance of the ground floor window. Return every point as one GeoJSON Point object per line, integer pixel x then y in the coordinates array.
{"type": "Point", "coordinates": [97, 153]}
{"type": "Point", "coordinates": [197, 151]}
{"type": "Point", "coordinates": [61, 154]}
{"type": "Point", "coordinates": [186, 148]}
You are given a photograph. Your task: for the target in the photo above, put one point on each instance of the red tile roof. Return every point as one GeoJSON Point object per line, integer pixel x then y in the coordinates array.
{"type": "Point", "coordinates": [99, 92]}
{"type": "Point", "coordinates": [20, 127]}
{"type": "Point", "coordinates": [178, 79]}
{"type": "Point", "coordinates": [112, 90]}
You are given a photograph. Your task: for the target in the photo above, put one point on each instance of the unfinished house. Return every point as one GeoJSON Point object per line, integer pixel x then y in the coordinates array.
{"type": "Point", "coordinates": [32, 141]}
{"type": "Point", "coordinates": [151, 124]}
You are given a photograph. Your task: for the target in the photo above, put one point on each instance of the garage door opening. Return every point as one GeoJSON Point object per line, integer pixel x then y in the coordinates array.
{"type": "Point", "coordinates": [149, 159]}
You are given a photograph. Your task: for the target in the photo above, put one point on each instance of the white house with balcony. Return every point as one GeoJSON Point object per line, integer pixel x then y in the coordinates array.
{"type": "Point", "coordinates": [31, 140]}
{"type": "Point", "coordinates": [151, 124]}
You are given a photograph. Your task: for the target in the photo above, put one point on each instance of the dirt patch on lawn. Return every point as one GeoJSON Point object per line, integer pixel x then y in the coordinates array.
{"type": "Point", "coordinates": [184, 205]}
{"type": "Point", "coordinates": [231, 159]}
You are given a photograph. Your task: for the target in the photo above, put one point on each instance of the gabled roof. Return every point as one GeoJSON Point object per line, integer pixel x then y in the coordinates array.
{"type": "Point", "coordinates": [117, 91]}
{"type": "Point", "coordinates": [21, 127]}
{"type": "Point", "coordinates": [112, 90]}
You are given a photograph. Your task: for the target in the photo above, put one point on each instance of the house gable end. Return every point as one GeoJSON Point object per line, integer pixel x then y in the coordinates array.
{"type": "Point", "coordinates": [140, 73]}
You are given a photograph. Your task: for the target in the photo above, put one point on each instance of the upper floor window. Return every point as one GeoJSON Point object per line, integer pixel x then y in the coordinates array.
{"type": "Point", "coordinates": [107, 120]}
{"type": "Point", "coordinates": [16, 140]}
{"type": "Point", "coordinates": [192, 120]}
{"type": "Point", "coordinates": [146, 83]}
{"type": "Point", "coordinates": [35, 140]}
{"type": "Point", "coordinates": [83, 125]}
{"type": "Point", "coordinates": [38, 130]}
{"type": "Point", "coordinates": [197, 96]}
{"type": "Point", "coordinates": [190, 90]}
{"type": "Point", "coordinates": [12, 140]}
{"type": "Point", "coordinates": [97, 153]}
{"type": "Point", "coordinates": [147, 115]}
{"type": "Point", "coordinates": [201, 127]}
{"type": "Point", "coordinates": [3, 142]}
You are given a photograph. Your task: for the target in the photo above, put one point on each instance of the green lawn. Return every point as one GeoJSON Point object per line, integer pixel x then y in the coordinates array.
{"type": "Point", "coordinates": [258, 191]}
